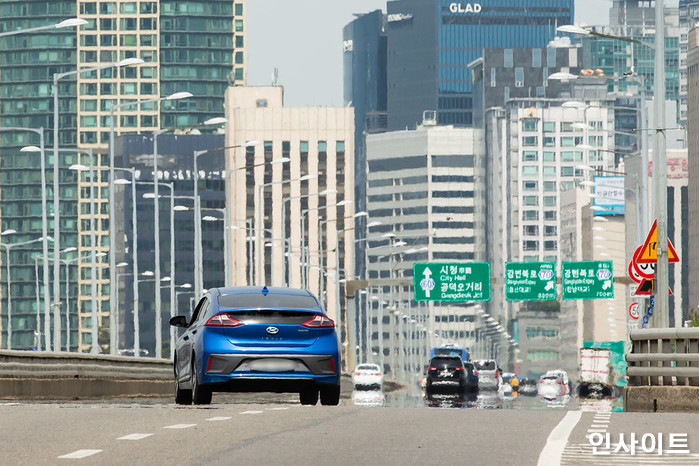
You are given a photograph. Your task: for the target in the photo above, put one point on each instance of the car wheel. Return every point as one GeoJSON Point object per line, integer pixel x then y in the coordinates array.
{"type": "Point", "coordinates": [309, 396]}
{"type": "Point", "coordinates": [330, 396]}
{"type": "Point", "coordinates": [200, 395]}
{"type": "Point", "coordinates": [182, 396]}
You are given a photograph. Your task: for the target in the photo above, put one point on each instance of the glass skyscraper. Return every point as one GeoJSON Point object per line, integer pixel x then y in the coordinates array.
{"type": "Point", "coordinates": [191, 46]}
{"type": "Point", "coordinates": [431, 43]}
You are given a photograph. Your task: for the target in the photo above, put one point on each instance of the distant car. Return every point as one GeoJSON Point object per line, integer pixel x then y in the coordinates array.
{"type": "Point", "coordinates": [367, 376]}
{"type": "Point", "coordinates": [257, 339]}
{"type": "Point", "coordinates": [527, 387]}
{"type": "Point", "coordinates": [563, 375]}
{"type": "Point", "coordinates": [450, 374]}
{"type": "Point", "coordinates": [369, 397]}
{"type": "Point", "coordinates": [489, 377]}
{"type": "Point", "coordinates": [551, 386]}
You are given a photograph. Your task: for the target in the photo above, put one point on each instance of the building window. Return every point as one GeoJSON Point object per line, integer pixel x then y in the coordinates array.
{"type": "Point", "coordinates": [519, 77]}
{"type": "Point", "coordinates": [509, 59]}
{"type": "Point", "coordinates": [530, 200]}
{"type": "Point", "coordinates": [493, 81]}
{"type": "Point", "coordinates": [530, 124]}
{"type": "Point", "coordinates": [536, 58]}
{"type": "Point", "coordinates": [549, 141]}
{"type": "Point", "coordinates": [531, 230]}
{"type": "Point", "coordinates": [567, 171]}
{"type": "Point", "coordinates": [550, 215]}
{"type": "Point", "coordinates": [530, 156]}
{"type": "Point", "coordinates": [550, 201]}
{"type": "Point", "coordinates": [531, 214]}
{"type": "Point", "coordinates": [549, 126]}
{"type": "Point", "coordinates": [549, 171]}
{"type": "Point", "coordinates": [530, 185]}
{"type": "Point", "coordinates": [530, 245]}
{"type": "Point", "coordinates": [550, 230]}
{"type": "Point", "coordinates": [530, 141]}
{"type": "Point", "coordinates": [549, 156]}
{"type": "Point", "coordinates": [549, 186]}
{"type": "Point", "coordinates": [530, 170]}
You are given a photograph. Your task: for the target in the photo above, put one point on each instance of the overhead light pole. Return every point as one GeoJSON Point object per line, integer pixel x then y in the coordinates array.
{"type": "Point", "coordinates": [44, 227]}
{"type": "Point", "coordinates": [112, 216]}
{"type": "Point", "coordinates": [661, 314]}
{"type": "Point", "coordinates": [63, 24]}
{"type": "Point", "coordinates": [56, 187]}
{"type": "Point", "coordinates": [198, 265]}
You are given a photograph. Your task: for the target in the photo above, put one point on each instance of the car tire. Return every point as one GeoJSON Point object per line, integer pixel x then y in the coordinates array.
{"type": "Point", "coordinates": [182, 395]}
{"type": "Point", "coordinates": [330, 396]}
{"type": "Point", "coordinates": [309, 397]}
{"type": "Point", "coordinates": [200, 395]}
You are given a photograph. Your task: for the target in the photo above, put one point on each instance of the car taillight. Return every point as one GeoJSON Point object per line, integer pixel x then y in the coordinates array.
{"type": "Point", "coordinates": [379, 373]}
{"type": "Point", "coordinates": [431, 368]}
{"type": "Point", "coordinates": [208, 364]}
{"type": "Point", "coordinates": [458, 368]}
{"type": "Point", "coordinates": [332, 361]}
{"type": "Point", "coordinates": [475, 373]}
{"type": "Point", "coordinates": [222, 320]}
{"type": "Point", "coordinates": [496, 374]}
{"type": "Point", "coordinates": [319, 321]}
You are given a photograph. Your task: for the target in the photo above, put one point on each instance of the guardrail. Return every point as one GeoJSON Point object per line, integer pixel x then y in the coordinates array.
{"type": "Point", "coordinates": [35, 374]}
{"type": "Point", "coordinates": [664, 357]}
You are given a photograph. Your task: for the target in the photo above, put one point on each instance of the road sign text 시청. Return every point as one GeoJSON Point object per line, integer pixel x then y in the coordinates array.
{"type": "Point", "coordinates": [451, 281]}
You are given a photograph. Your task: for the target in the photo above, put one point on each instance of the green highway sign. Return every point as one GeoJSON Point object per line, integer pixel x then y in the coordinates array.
{"type": "Point", "coordinates": [588, 280]}
{"type": "Point", "coordinates": [530, 281]}
{"type": "Point", "coordinates": [451, 281]}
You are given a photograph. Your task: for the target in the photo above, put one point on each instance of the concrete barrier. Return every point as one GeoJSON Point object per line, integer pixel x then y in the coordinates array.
{"type": "Point", "coordinates": [59, 376]}
{"type": "Point", "coordinates": [651, 399]}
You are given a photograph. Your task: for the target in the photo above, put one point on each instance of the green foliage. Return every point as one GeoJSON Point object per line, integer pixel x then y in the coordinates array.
{"type": "Point", "coordinates": [693, 318]}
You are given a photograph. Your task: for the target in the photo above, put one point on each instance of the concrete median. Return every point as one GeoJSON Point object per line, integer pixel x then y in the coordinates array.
{"type": "Point", "coordinates": [649, 399]}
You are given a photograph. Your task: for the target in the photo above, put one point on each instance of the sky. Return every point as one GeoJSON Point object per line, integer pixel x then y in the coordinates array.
{"type": "Point", "coordinates": [303, 40]}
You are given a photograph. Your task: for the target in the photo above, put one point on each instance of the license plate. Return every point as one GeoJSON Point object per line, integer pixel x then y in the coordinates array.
{"type": "Point", "coordinates": [272, 365]}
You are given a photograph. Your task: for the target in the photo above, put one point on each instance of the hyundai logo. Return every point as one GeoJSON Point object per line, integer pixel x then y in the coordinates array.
{"type": "Point", "coordinates": [272, 330]}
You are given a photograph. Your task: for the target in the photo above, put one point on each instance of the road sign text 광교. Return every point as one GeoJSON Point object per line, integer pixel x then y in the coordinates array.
{"type": "Point", "coordinates": [530, 281]}
{"type": "Point", "coordinates": [451, 281]}
{"type": "Point", "coordinates": [587, 280]}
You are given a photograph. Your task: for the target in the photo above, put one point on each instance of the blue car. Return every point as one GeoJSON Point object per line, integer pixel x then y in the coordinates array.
{"type": "Point", "coordinates": [257, 339]}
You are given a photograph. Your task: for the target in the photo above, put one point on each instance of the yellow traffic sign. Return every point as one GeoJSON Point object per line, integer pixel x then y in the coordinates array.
{"type": "Point", "coordinates": [649, 250]}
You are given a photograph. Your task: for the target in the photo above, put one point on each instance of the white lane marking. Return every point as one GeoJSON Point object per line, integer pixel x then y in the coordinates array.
{"type": "Point", "coordinates": [179, 426]}
{"type": "Point", "coordinates": [558, 438]}
{"type": "Point", "coordinates": [219, 418]}
{"type": "Point", "coordinates": [251, 412]}
{"type": "Point", "coordinates": [76, 455]}
{"type": "Point", "coordinates": [596, 430]}
{"type": "Point", "coordinates": [598, 426]}
{"type": "Point", "coordinates": [276, 409]}
{"type": "Point", "coordinates": [134, 436]}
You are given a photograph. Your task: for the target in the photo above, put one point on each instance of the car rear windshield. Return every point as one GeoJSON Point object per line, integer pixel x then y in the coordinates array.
{"type": "Point", "coordinates": [451, 362]}
{"type": "Point", "coordinates": [485, 365]}
{"type": "Point", "coordinates": [268, 317]}
{"type": "Point", "coordinates": [448, 352]}
{"type": "Point", "coordinates": [271, 301]}
{"type": "Point", "coordinates": [367, 367]}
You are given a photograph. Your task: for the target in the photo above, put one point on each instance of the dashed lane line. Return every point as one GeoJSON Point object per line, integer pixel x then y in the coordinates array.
{"type": "Point", "coordinates": [251, 412]}
{"type": "Point", "coordinates": [219, 418]}
{"type": "Point", "coordinates": [179, 426]}
{"type": "Point", "coordinates": [76, 455]}
{"type": "Point", "coordinates": [134, 437]}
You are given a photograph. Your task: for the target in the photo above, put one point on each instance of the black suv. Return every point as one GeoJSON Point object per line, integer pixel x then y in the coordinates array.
{"type": "Point", "coordinates": [449, 374]}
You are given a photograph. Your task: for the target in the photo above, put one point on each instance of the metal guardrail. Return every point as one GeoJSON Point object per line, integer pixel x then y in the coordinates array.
{"type": "Point", "coordinates": [37, 364]}
{"type": "Point", "coordinates": [664, 357]}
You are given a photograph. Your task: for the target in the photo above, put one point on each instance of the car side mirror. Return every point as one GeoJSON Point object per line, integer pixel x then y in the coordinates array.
{"type": "Point", "coordinates": [178, 321]}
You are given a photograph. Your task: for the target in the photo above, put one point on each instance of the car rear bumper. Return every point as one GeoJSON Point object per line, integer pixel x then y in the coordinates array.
{"type": "Point", "coordinates": [271, 369]}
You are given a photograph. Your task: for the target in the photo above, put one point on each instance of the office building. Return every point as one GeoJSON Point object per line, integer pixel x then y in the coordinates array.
{"type": "Point", "coordinates": [431, 43]}
{"type": "Point", "coordinates": [364, 62]}
{"type": "Point", "coordinates": [291, 196]}
{"type": "Point", "coordinates": [426, 187]}
{"type": "Point", "coordinates": [171, 38]}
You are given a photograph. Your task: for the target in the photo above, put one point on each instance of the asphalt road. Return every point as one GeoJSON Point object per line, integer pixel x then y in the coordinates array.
{"type": "Point", "coordinates": [277, 430]}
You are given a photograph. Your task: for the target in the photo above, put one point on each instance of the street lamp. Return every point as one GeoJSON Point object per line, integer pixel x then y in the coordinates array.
{"type": "Point", "coordinates": [659, 156]}
{"type": "Point", "coordinates": [56, 178]}
{"type": "Point", "coordinates": [285, 278]}
{"type": "Point", "coordinates": [44, 227]}
{"type": "Point", "coordinates": [260, 227]}
{"type": "Point", "coordinates": [8, 247]}
{"type": "Point", "coordinates": [63, 24]}
{"type": "Point", "coordinates": [199, 278]}
{"type": "Point", "coordinates": [112, 216]}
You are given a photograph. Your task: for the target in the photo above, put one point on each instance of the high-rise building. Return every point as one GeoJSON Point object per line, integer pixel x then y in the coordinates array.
{"type": "Point", "coordinates": [426, 187]}
{"type": "Point", "coordinates": [364, 45]}
{"type": "Point", "coordinates": [198, 47]}
{"type": "Point", "coordinates": [431, 43]}
{"type": "Point", "coordinates": [291, 196]}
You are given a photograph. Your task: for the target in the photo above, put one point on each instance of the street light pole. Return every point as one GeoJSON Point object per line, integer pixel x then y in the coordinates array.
{"type": "Point", "coordinates": [660, 171]}
{"type": "Point", "coordinates": [112, 216]}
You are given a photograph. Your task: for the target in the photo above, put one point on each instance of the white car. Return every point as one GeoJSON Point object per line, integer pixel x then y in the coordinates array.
{"type": "Point", "coordinates": [551, 386]}
{"type": "Point", "coordinates": [368, 376]}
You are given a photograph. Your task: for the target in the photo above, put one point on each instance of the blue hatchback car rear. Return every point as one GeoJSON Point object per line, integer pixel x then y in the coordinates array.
{"type": "Point", "coordinates": [257, 339]}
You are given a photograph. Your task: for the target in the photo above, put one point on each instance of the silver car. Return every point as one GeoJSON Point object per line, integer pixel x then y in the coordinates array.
{"type": "Point", "coordinates": [489, 377]}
